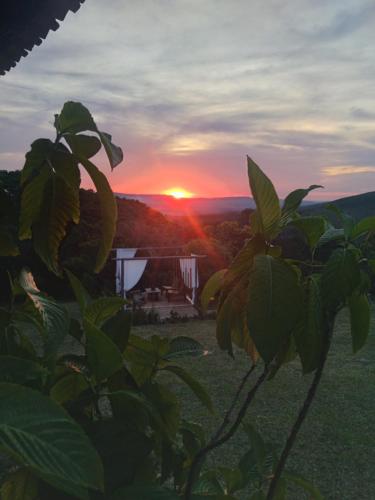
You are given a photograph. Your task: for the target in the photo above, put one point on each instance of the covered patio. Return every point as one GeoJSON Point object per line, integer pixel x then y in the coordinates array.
{"type": "Point", "coordinates": [158, 278]}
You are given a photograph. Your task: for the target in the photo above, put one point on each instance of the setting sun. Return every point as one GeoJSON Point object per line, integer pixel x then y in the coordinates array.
{"type": "Point", "coordinates": [178, 193]}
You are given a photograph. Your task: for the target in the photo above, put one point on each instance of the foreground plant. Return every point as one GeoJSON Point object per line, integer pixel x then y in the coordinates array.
{"type": "Point", "coordinates": [84, 411]}
{"type": "Point", "coordinates": [85, 408]}
{"type": "Point", "coordinates": [277, 309]}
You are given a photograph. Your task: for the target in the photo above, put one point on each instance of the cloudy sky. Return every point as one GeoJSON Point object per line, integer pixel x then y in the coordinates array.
{"type": "Point", "coordinates": [189, 87]}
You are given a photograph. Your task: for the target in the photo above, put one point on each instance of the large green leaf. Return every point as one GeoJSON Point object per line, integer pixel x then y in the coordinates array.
{"type": "Point", "coordinates": [309, 333]}
{"type": "Point", "coordinates": [108, 208]}
{"type": "Point", "coordinates": [118, 328]}
{"type": "Point", "coordinates": [104, 308]}
{"type": "Point", "coordinates": [80, 292]}
{"type": "Point", "coordinates": [331, 235]}
{"type": "Point", "coordinates": [211, 288]}
{"type": "Point", "coordinates": [294, 200]}
{"type": "Point", "coordinates": [266, 200]}
{"type": "Point", "coordinates": [74, 118]}
{"type": "Point", "coordinates": [54, 316]}
{"type": "Point", "coordinates": [60, 207]}
{"type": "Point", "coordinates": [104, 357]}
{"type": "Point", "coordinates": [166, 404]}
{"type": "Point", "coordinates": [362, 227]}
{"type": "Point", "coordinates": [180, 347]}
{"type": "Point", "coordinates": [68, 387]}
{"type": "Point", "coordinates": [360, 316]}
{"type": "Point", "coordinates": [20, 485]}
{"type": "Point", "coordinates": [194, 385]}
{"type": "Point", "coordinates": [35, 159]}
{"type": "Point", "coordinates": [83, 145]}
{"type": "Point", "coordinates": [114, 153]}
{"type": "Point", "coordinates": [31, 202]}
{"type": "Point", "coordinates": [340, 277]}
{"type": "Point", "coordinates": [124, 451]}
{"type": "Point", "coordinates": [313, 227]}
{"type": "Point", "coordinates": [274, 304]}
{"type": "Point", "coordinates": [50, 199]}
{"type": "Point", "coordinates": [242, 263]}
{"type": "Point", "coordinates": [37, 433]}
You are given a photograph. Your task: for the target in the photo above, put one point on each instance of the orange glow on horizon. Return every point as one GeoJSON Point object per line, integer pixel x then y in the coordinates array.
{"type": "Point", "coordinates": [178, 193]}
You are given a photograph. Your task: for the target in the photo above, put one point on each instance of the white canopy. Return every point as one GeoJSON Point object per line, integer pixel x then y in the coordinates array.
{"type": "Point", "coordinates": [128, 272]}
{"type": "Point", "coordinates": [189, 272]}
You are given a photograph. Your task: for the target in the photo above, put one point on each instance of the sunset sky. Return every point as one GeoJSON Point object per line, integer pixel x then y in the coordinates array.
{"type": "Point", "coordinates": [189, 87]}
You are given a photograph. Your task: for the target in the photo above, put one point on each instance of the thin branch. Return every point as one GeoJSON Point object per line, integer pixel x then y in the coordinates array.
{"type": "Point", "coordinates": [299, 421]}
{"type": "Point", "coordinates": [228, 414]}
{"type": "Point", "coordinates": [214, 443]}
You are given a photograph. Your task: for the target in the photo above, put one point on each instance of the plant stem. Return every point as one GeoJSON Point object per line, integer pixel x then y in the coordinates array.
{"type": "Point", "coordinates": [299, 421]}
{"type": "Point", "coordinates": [228, 414]}
{"type": "Point", "coordinates": [218, 441]}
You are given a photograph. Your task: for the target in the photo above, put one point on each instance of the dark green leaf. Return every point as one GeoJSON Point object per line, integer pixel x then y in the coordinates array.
{"type": "Point", "coordinates": [211, 288]}
{"type": "Point", "coordinates": [74, 118]}
{"type": "Point", "coordinates": [102, 309]}
{"type": "Point", "coordinates": [346, 221]}
{"type": "Point", "coordinates": [31, 202]}
{"type": "Point", "coordinates": [108, 208]}
{"type": "Point", "coordinates": [194, 385]}
{"type": "Point", "coordinates": [83, 145]}
{"type": "Point", "coordinates": [80, 292]}
{"type": "Point", "coordinates": [180, 347]}
{"type": "Point", "coordinates": [68, 388]}
{"type": "Point", "coordinates": [123, 450]}
{"type": "Point", "coordinates": [274, 304]}
{"type": "Point", "coordinates": [266, 200]}
{"type": "Point", "coordinates": [360, 316]}
{"type": "Point", "coordinates": [118, 328]}
{"type": "Point", "coordinates": [54, 316]}
{"type": "Point", "coordinates": [104, 357]}
{"type": "Point", "coordinates": [114, 153]}
{"type": "Point", "coordinates": [60, 207]}
{"type": "Point", "coordinates": [36, 158]}
{"type": "Point", "coordinates": [295, 198]}
{"type": "Point", "coordinates": [38, 433]}
{"type": "Point", "coordinates": [362, 227]}
{"type": "Point", "coordinates": [340, 277]}
{"type": "Point", "coordinates": [167, 406]}
{"type": "Point", "coordinates": [332, 234]}
{"type": "Point", "coordinates": [312, 227]}
{"type": "Point", "coordinates": [133, 408]}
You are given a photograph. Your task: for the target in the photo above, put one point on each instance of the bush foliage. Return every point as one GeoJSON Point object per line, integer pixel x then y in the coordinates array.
{"type": "Point", "coordinates": [100, 422]}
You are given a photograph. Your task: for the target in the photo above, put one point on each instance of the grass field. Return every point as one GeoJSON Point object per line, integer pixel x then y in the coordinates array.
{"type": "Point", "coordinates": [336, 446]}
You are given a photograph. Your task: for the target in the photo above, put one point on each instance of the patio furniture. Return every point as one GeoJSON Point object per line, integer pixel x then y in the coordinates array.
{"type": "Point", "coordinates": [153, 294]}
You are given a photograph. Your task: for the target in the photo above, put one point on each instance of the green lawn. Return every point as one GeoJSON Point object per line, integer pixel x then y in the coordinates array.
{"type": "Point", "coordinates": [336, 446]}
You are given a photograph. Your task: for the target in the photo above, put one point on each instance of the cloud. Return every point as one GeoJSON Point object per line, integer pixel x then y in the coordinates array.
{"type": "Point", "coordinates": [195, 86]}
{"type": "Point", "coordinates": [347, 170]}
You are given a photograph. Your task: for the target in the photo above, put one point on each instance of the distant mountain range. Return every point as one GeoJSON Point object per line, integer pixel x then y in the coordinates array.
{"type": "Point", "coordinates": [358, 206]}
{"type": "Point", "coordinates": [169, 205]}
